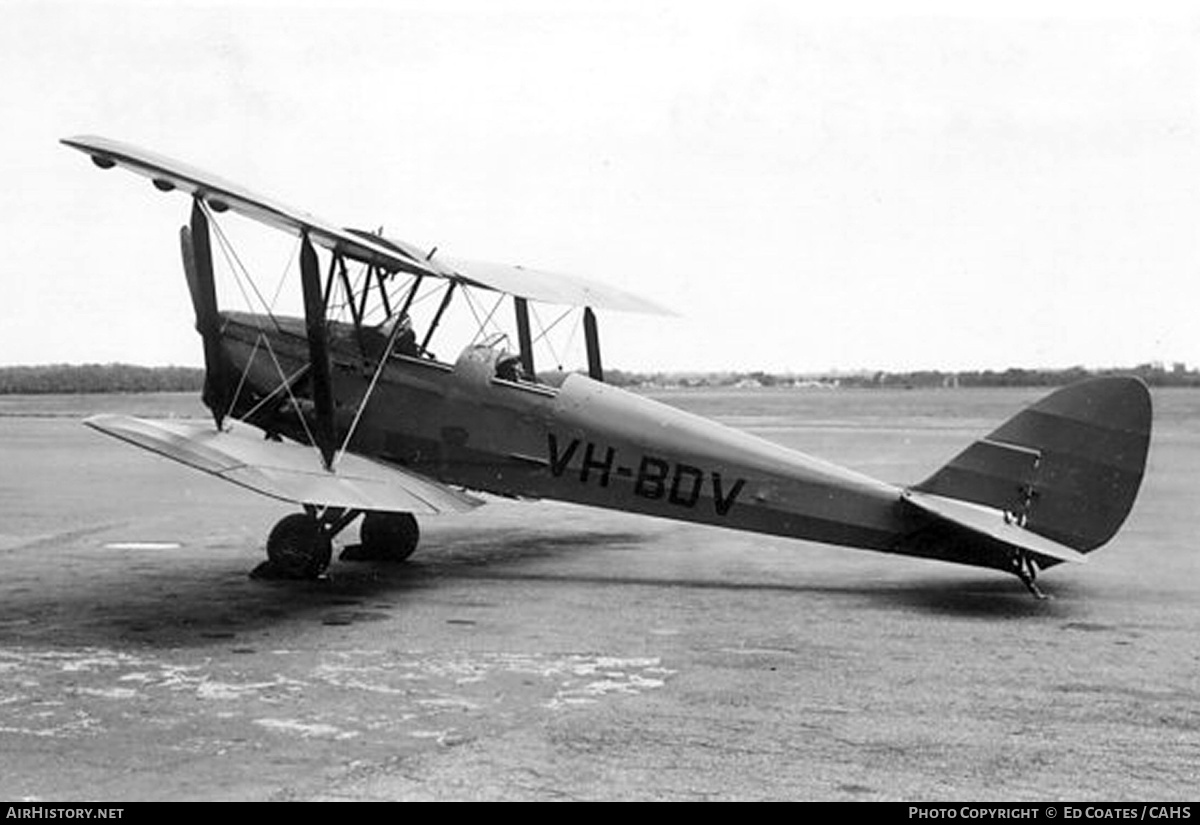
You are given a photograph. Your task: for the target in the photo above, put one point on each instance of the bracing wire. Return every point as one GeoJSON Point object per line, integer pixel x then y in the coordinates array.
{"type": "Point", "coordinates": [546, 330]}
{"type": "Point", "coordinates": [466, 293]}
{"type": "Point", "coordinates": [291, 397]}
{"type": "Point", "coordinates": [571, 337]}
{"type": "Point", "coordinates": [481, 330]}
{"type": "Point", "coordinates": [420, 299]}
{"type": "Point", "coordinates": [362, 405]}
{"type": "Point", "coordinates": [242, 380]}
{"type": "Point", "coordinates": [287, 382]}
{"type": "Point", "coordinates": [287, 269]}
{"type": "Point", "coordinates": [395, 297]}
{"type": "Point", "coordinates": [236, 265]}
{"type": "Point", "coordinates": [544, 334]}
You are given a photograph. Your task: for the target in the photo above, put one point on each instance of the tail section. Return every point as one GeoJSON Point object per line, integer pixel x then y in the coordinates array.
{"type": "Point", "coordinates": [1067, 468]}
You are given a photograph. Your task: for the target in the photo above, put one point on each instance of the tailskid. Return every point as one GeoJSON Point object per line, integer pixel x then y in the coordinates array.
{"type": "Point", "coordinates": [1026, 570]}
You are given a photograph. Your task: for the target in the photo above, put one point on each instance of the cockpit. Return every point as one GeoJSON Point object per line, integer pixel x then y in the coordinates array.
{"type": "Point", "coordinates": [402, 335]}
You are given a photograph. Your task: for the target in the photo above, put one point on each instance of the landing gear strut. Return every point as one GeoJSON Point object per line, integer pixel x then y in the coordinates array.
{"type": "Point", "coordinates": [1026, 570]}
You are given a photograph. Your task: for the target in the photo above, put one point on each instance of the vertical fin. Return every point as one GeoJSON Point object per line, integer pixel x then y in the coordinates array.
{"type": "Point", "coordinates": [1067, 468]}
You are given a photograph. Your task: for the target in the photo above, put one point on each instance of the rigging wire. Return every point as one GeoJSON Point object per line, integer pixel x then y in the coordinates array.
{"type": "Point", "coordinates": [235, 265]}
{"type": "Point", "coordinates": [296, 404]}
{"type": "Point", "coordinates": [546, 330]}
{"type": "Point", "coordinates": [287, 382]}
{"type": "Point", "coordinates": [242, 381]}
{"type": "Point", "coordinates": [286, 271]}
{"type": "Point", "coordinates": [232, 258]}
{"type": "Point", "coordinates": [362, 404]}
{"type": "Point", "coordinates": [481, 328]}
{"type": "Point", "coordinates": [571, 336]}
{"type": "Point", "coordinates": [399, 290]}
{"type": "Point", "coordinates": [471, 306]}
{"type": "Point", "coordinates": [544, 335]}
{"type": "Point", "coordinates": [490, 315]}
{"type": "Point", "coordinates": [420, 299]}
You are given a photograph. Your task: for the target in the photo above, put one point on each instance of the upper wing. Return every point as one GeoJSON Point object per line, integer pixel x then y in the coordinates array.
{"type": "Point", "coordinates": [551, 287]}
{"type": "Point", "coordinates": [387, 253]}
{"type": "Point", "coordinates": [169, 174]}
{"type": "Point", "coordinates": [284, 469]}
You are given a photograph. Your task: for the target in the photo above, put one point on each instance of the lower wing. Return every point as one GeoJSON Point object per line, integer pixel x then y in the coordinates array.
{"type": "Point", "coordinates": [286, 470]}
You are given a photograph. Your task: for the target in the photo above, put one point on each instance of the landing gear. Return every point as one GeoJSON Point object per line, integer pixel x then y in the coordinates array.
{"type": "Point", "coordinates": [1026, 570]}
{"type": "Point", "coordinates": [385, 537]}
{"type": "Point", "coordinates": [299, 547]}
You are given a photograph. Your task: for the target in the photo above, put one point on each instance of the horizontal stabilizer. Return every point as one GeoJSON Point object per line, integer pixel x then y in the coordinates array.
{"type": "Point", "coordinates": [991, 523]}
{"type": "Point", "coordinates": [285, 470]}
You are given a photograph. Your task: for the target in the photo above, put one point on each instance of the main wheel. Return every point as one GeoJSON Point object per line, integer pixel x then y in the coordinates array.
{"type": "Point", "coordinates": [297, 548]}
{"type": "Point", "coordinates": [388, 536]}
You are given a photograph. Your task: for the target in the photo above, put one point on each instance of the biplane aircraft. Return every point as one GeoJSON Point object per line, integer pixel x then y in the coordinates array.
{"type": "Point", "coordinates": [354, 416]}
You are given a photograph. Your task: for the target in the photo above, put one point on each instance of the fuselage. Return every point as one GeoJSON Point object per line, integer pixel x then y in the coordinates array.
{"type": "Point", "coordinates": [582, 441]}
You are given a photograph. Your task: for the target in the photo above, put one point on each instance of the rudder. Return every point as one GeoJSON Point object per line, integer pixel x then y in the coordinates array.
{"type": "Point", "coordinates": [1067, 468]}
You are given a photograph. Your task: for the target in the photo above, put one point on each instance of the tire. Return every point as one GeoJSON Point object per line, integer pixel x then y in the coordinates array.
{"type": "Point", "coordinates": [389, 536]}
{"type": "Point", "coordinates": [297, 548]}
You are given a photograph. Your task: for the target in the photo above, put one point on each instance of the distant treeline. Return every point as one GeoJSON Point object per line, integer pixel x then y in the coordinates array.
{"type": "Point", "coordinates": [94, 378]}
{"type": "Point", "coordinates": [97, 378]}
{"type": "Point", "coordinates": [1156, 375]}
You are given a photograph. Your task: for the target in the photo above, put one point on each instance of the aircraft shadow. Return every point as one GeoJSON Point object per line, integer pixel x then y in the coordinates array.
{"type": "Point", "coordinates": [165, 601]}
{"type": "Point", "coordinates": [996, 597]}
{"type": "Point", "coordinates": [981, 594]}
{"type": "Point", "coordinates": [999, 599]}
{"type": "Point", "coordinates": [164, 606]}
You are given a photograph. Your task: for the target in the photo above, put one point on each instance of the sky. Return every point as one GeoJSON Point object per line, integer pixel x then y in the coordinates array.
{"type": "Point", "coordinates": [909, 185]}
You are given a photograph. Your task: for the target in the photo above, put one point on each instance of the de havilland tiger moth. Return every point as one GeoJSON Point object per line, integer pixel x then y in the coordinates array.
{"type": "Point", "coordinates": [354, 416]}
